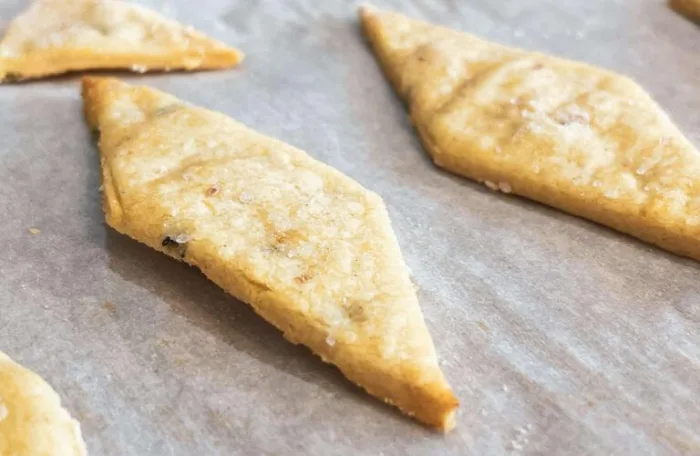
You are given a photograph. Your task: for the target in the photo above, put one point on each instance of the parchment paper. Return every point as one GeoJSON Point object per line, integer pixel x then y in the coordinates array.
{"type": "Point", "coordinates": [559, 336]}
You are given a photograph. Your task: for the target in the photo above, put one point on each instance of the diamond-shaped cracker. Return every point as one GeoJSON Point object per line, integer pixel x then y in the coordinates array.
{"type": "Point", "coordinates": [32, 420]}
{"type": "Point", "coordinates": [579, 138]}
{"type": "Point", "coordinates": [58, 36]}
{"type": "Point", "coordinates": [689, 8]}
{"type": "Point", "coordinates": [308, 248]}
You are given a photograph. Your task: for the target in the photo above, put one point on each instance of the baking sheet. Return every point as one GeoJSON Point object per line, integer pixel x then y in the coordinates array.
{"type": "Point", "coordinates": [559, 336]}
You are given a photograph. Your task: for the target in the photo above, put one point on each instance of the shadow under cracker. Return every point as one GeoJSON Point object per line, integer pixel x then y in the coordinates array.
{"type": "Point", "coordinates": [76, 75]}
{"type": "Point", "coordinates": [191, 295]}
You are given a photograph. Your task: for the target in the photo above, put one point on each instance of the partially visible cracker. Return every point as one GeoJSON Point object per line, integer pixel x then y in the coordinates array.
{"type": "Point", "coordinates": [689, 8]}
{"type": "Point", "coordinates": [570, 135]}
{"type": "Point", "coordinates": [58, 36]}
{"type": "Point", "coordinates": [32, 421]}
{"type": "Point", "coordinates": [311, 250]}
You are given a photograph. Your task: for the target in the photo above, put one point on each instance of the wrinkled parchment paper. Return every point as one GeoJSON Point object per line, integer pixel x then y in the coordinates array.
{"type": "Point", "coordinates": [559, 336]}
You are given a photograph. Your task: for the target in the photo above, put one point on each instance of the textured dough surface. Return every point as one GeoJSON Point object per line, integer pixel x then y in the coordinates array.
{"type": "Point", "coordinates": [32, 421]}
{"type": "Point", "coordinates": [567, 134]}
{"type": "Point", "coordinates": [57, 36]}
{"type": "Point", "coordinates": [308, 248]}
